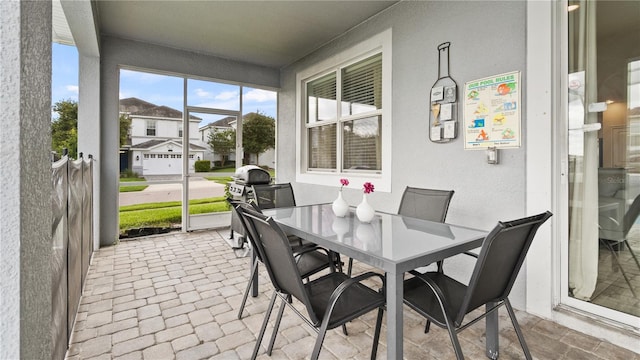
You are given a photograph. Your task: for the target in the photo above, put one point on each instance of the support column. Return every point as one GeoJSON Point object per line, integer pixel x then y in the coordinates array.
{"type": "Point", "coordinates": [89, 128]}
{"type": "Point", "coordinates": [25, 180]}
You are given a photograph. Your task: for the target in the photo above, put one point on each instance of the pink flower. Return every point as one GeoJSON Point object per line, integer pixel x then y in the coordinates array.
{"type": "Point", "coordinates": [368, 187]}
{"type": "Point", "coordinates": [344, 182]}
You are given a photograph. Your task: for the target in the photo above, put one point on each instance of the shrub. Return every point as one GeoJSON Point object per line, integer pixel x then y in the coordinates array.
{"type": "Point", "coordinates": [202, 165]}
{"type": "Point", "coordinates": [127, 173]}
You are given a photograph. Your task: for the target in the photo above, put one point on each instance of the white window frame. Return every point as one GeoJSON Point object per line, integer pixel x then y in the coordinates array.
{"type": "Point", "coordinates": [380, 43]}
{"type": "Point", "coordinates": [151, 124]}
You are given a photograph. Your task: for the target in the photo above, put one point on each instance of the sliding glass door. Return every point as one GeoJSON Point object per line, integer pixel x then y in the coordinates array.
{"type": "Point", "coordinates": [604, 158]}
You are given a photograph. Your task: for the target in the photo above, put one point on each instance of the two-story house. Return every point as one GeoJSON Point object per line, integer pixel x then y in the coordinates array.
{"type": "Point", "coordinates": [156, 137]}
{"type": "Point", "coordinates": [266, 158]}
{"type": "Point", "coordinates": [211, 128]}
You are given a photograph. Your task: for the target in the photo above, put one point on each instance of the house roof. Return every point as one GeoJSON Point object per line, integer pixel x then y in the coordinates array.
{"type": "Point", "coordinates": [161, 111]}
{"type": "Point", "coordinates": [135, 106]}
{"type": "Point", "coordinates": [147, 145]}
{"type": "Point", "coordinates": [224, 122]}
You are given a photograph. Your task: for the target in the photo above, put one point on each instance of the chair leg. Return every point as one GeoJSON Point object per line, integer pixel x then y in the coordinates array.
{"type": "Point", "coordinates": [350, 268]}
{"type": "Point", "coordinates": [632, 253]}
{"type": "Point", "coordinates": [276, 326]}
{"type": "Point", "coordinates": [320, 339]}
{"type": "Point", "coordinates": [427, 326]}
{"type": "Point", "coordinates": [254, 270]}
{"type": "Point", "coordinates": [624, 274]}
{"type": "Point", "coordinates": [453, 336]}
{"type": "Point", "coordinates": [516, 326]}
{"type": "Point", "coordinates": [265, 322]}
{"type": "Point", "coordinates": [376, 334]}
{"type": "Point", "coordinates": [456, 344]}
{"type": "Point", "coordinates": [334, 262]}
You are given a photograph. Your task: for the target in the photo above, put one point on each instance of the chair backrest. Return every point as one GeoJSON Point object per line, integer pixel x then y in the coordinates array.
{"type": "Point", "coordinates": [631, 215]}
{"type": "Point", "coordinates": [427, 204]}
{"type": "Point", "coordinates": [501, 256]}
{"type": "Point", "coordinates": [269, 196]}
{"type": "Point", "coordinates": [277, 257]}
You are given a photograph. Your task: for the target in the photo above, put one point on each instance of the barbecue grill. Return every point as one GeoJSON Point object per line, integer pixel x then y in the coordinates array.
{"type": "Point", "coordinates": [240, 189]}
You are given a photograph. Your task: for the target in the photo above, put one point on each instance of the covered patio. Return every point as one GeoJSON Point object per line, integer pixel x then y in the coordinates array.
{"type": "Point", "coordinates": [176, 296]}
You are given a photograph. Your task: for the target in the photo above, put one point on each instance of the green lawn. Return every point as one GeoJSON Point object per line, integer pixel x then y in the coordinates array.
{"type": "Point", "coordinates": [125, 179]}
{"type": "Point", "coordinates": [129, 188]}
{"type": "Point", "coordinates": [225, 169]}
{"type": "Point", "coordinates": [220, 179]}
{"type": "Point", "coordinates": [272, 172]}
{"type": "Point", "coordinates": [167, 213]}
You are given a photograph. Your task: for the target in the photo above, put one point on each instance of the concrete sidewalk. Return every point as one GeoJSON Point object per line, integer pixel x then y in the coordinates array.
{"type": "Point", "coordinates": [199, 188]}
{"type": "Point", "coordinates": [173, 179]}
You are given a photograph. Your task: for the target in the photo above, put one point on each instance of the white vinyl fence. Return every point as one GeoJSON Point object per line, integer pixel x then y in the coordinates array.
{"type": "Point", "coordinates": [72, 244]}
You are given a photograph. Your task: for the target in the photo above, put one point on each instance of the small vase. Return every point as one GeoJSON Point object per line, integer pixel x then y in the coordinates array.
{"type": "Point", "coordinates": [365, 211]}
{"type": "Point", "coordinates": [339, 206]}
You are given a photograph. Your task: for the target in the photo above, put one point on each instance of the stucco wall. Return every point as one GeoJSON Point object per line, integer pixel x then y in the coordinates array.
{"type": "Point", "coordinates": [25, 180]}
{"type": "Point", "coordinates": [487, 38]}
{"type": "Point", "coordinates": [118, 53]}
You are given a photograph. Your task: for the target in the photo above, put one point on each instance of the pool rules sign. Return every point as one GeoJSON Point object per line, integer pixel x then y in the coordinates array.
{"type": "Point", "coordinates": [492, 112]}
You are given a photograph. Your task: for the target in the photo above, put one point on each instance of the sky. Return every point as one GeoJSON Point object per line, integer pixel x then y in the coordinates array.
{"type": "Point", "coordinates": [161, 89]}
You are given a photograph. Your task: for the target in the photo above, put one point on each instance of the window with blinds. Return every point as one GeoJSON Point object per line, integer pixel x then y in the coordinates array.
{"type": "Point", "coordinates": [348, 98]}
{"type": "Point", "coordinates": [151, 128]}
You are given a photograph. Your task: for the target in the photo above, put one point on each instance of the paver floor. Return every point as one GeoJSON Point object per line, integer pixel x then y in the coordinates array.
{"type": "Point", "coordinates": [176, 296]}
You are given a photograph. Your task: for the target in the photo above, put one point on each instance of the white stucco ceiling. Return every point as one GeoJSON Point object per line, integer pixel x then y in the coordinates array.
{"type": "Point", "coordinates": [269, 33]}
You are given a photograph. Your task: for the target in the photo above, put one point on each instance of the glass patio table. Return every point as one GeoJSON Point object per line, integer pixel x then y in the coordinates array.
{"type": "Point", "coordinates": [392, 243]}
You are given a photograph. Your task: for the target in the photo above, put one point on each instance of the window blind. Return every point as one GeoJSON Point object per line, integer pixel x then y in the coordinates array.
{"type": "Point", "coordinates": [321, 99]}
{"type": "Point", "coordinates": [362, 144]}
{"type": "Point", "coordinates": [322, 147]}
{"type": "Point", "coordinates": [362, 86]}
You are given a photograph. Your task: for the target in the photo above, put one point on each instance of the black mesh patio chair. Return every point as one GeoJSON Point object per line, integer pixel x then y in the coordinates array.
{"type": "Point", "coordinates": [445, 301]}
{"type": "Point", "coordinates": [426, 204]}
{"type": "Point", "coordinates": [269, 196]}
{"type": "Point", "coordinates": [628, 220]}
{"type": "Point", "coordinates": [309, 259]}
{"type": "Point", "coordinates": [329, 301]}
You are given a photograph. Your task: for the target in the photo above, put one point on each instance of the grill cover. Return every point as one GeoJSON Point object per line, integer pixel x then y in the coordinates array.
{"type": "Point", "coordinates": [252, 175]}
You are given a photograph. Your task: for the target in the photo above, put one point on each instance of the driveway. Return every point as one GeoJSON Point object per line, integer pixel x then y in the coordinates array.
{"type": "Point", "coordinates": [199, 188]}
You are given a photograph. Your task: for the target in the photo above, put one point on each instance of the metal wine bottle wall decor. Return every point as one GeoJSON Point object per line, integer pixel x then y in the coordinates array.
{"type": "Point", "coordinates": [443, 110]}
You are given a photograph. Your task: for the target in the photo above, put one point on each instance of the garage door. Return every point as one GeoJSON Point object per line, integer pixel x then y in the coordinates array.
{"type": "Point", "coordinates": [161, 164]}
